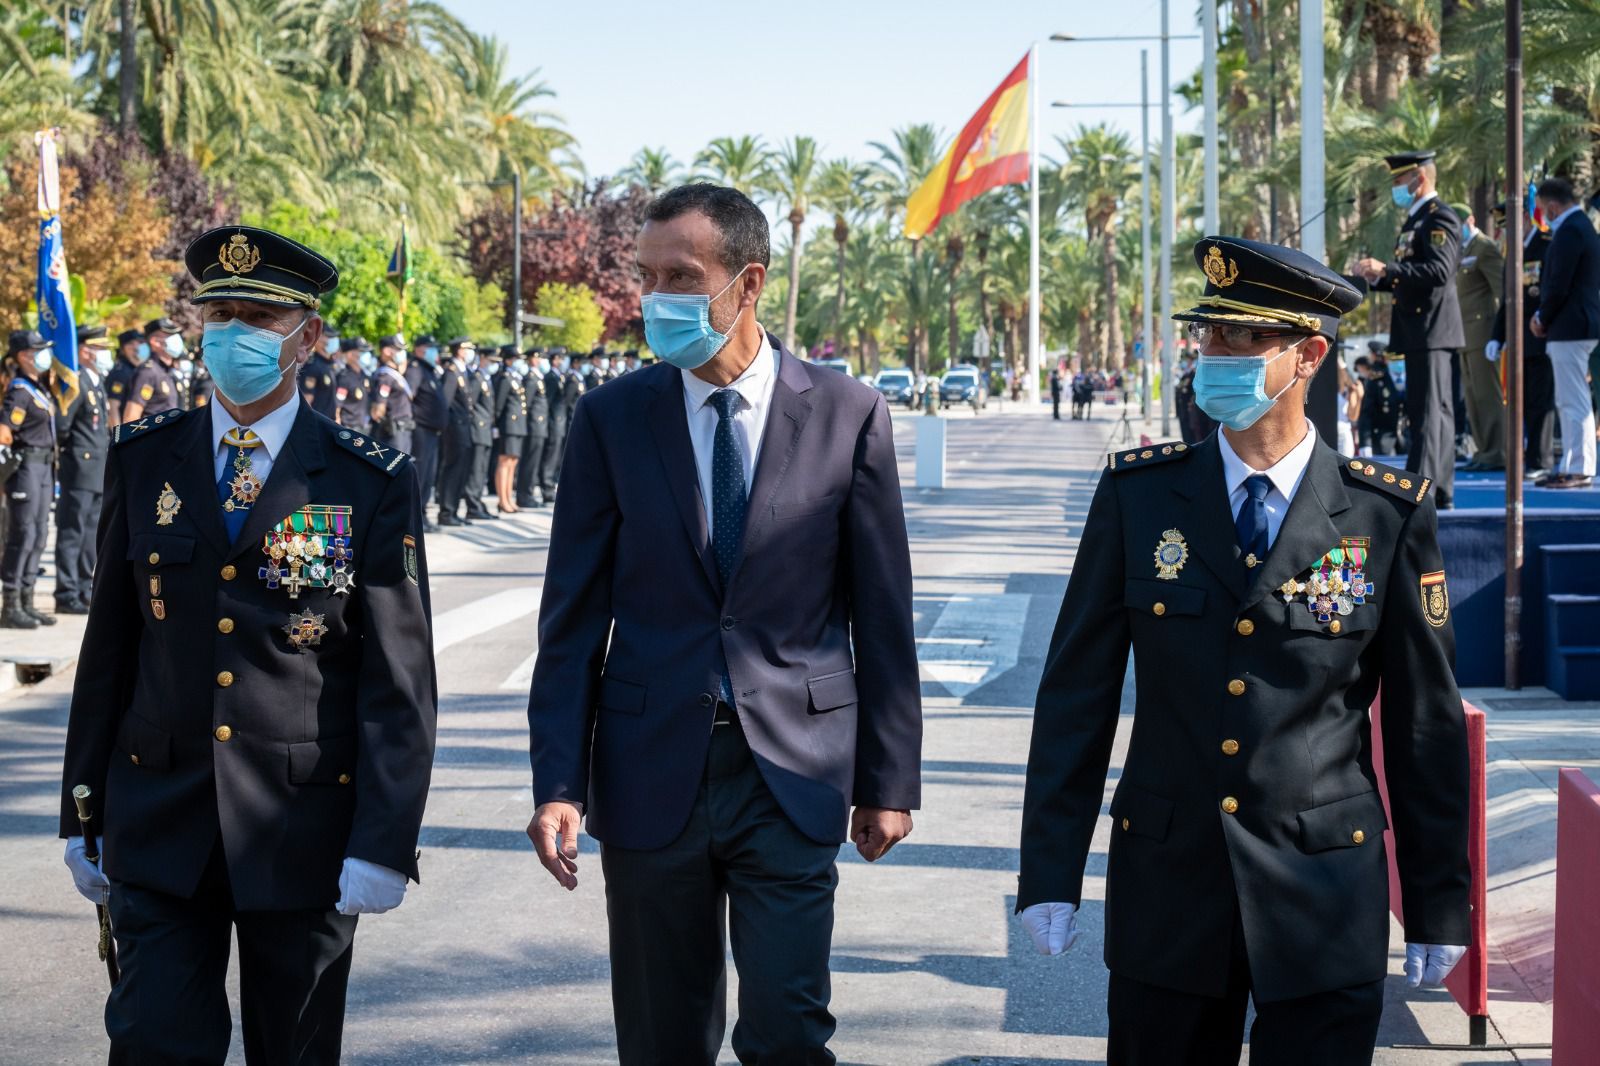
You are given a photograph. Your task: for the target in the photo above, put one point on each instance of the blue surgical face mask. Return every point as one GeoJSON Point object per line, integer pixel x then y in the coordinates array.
{"type": "Point", "coordinates": [605, 364]}
{"type": "Point", "coordinates": [430, 355]}
{"type": "Point", "coordinates": [563, 363]}
{"type": "Point", "coordinates": [103, 361]}
{"type": "Point", "coordinates": [42, 359]}
{"type": "Point", "coordinates": [677, 326]}
{"type": "Point", "coordinates": [1232, 388]}
{"type": "Point", "coordinates": [544, 366]}
{"type": "Point", "coordinates": [244, 360]}
{"type": "Point", "coordinates": [173, 345]}
{"type": "Point", "coordinates": [142, 352]}
{"type": "Point", "coordinates": [368, 362]}
{"type": "Point", "coordinates": [469, 358]}
{"type": "Point", "coordinates": [1402, 195]}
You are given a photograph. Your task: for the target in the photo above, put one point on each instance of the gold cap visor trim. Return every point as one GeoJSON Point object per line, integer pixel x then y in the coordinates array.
{"type": "Point", "coordinates": [1249, 313]}
{"type": "Point", "coordinates": [264, 291]}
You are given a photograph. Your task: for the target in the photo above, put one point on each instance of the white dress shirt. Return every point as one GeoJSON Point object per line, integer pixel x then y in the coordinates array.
{"type": "Point", "coordinates": [272, 429]}
{"type": "Point", "coordinates": [1285, 475]}
{"type": "Point", "coordinates": [1555, 223]}
{"type": "Point", "coordinates": [1416, 205]}
{"type": "Point", "coordinates": [754, 387]}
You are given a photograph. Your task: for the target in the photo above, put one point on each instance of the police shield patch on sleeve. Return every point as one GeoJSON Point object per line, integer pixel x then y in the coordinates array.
{"type": "Point", "coordinates": [1435, 599]}
{"type": "Point", "coordinates": [410, 545]}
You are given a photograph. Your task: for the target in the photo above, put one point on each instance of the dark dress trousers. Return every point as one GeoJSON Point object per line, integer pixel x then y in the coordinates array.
{"type": "Point", "coordinates": [85, 436]}
{"type": "Point", "coordinates": [241, 742]}
{"type": "Point", "coordinates": [533, 443]}
{"type": "Point", "coordinates": [27, 409]}
{"type": "Point", "coordinates": [432, 415]}
{"type": "Point", "coordinates": [483, 435]}
{"type": "Point", "coordinates": [814, 626]}
{"type": "Point", "coordinates": [550, 459]}
{"type": "Point", "coordinates": [1538, 379]}
{"type": "Point", "coordinates": [1246, 826]}
{"type": "Point", "coordinates": [1425, 327]}
{"type": "Point", "coordinates": [455, 457]}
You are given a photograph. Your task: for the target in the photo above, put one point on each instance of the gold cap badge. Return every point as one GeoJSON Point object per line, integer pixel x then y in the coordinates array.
{"type": "Point", "coordinates": [1221, 274]}
{"type": "Point", "coordinates": [238, 256]}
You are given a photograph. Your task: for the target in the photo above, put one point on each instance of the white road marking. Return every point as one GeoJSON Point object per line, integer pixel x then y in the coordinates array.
{"type": "Point", "coordinates": [480, 616]}
{"type": "Point", "coordinates": [521, 678]}
{"type": "Point", "coordinates": [974, 641]}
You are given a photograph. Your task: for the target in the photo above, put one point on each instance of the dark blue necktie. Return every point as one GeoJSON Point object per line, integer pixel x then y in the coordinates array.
{"type": "Point", "coordinates": [1251, 525]}
{"type": "Point", "coordinates": [238, 486]}
{"type": "Point", "coordinates": [727, 485]}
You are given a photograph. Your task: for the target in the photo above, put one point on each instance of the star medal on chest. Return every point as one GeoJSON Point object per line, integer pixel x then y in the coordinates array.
{"type": "Point", "coordinates": [311, 548]}
{"type": "Point", "coordinates": [1337, 584]}
{"type": "Point", "coordinates": [1171, 553]}
{"type": "Point", "coordinates": [167, 505]}
{"type": "Point", "coordinates": [306, 629]}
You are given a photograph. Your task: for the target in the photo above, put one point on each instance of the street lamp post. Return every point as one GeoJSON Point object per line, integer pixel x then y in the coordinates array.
{"type": "Point", "coordinates": [515, 181]}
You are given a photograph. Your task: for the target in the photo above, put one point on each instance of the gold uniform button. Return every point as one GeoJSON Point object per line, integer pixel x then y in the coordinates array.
{"type": "Point", "coordinates": [1229, 805]}
{"type": "Point", "coordinates": [1245, 627]}
{"type": "Point", "coordinates": [1159, 609]}
{"type": "Point", "coordinates": [229, 573]}
{"type": "Point", "coordinates": [225, 678]}
{"type": "Point", "coordinates": [223, 734]}
{"type": "Point", "coordinates": [1236, 687]}
{"type": "Point", "coordinates": [1358, 837]}
{"type": "Point", "coordinates": [1335, 626]}
{"type": "Point", "coordinates": [1125, 825]}
{"type": "Point", "coordinates": [135, 759]}
{"type": "Point", "coordinates": [1230, 747]}
{"type": "Point", "coordinates": [344, 779]}
{"type": "Point", "coordinates": [155, 557]}
{"type": "Point", "coordinates": [224, 625]}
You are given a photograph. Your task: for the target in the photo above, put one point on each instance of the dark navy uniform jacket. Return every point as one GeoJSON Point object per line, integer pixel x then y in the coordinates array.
{"type": "Point", "coordinates": [481, 389]}
{"type": "Point", "coordinates": [1532, 267]}
{"type": "Point", "coordinates": [394, 391]}
{"type": "Point", "coordinates": [1427, 254]}
{"type": "Point", "coordinates": [27, 409]}
{"type": "Point", "coordinates": [85, 434]}
{"type": "Point", "coordinates": [316, 384]}
{"type": "Point", "coordinates": [351, 398]}
{"type": "Point", "coordinates": [510, 405]}
{"type": "Point", "coordinates": [298, 730]}
{"type": "Point", "coordinates": [538, 404]}
{"type": "Point", "coordinates": [117, 381]}
{"type": "Point", "coordinates": [428, 400]}
{"type": "Point", "coordinates": [1569, 290]}
{"type": "Point", "coordinates": [1248, 787]}
{"type": "Point", "coordinates": [154, 386]}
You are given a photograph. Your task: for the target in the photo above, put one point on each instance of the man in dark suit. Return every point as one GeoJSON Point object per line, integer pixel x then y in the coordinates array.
{"type": "Point", "coordinates": [257, 729]}
{"type": "Point", "coordinates": [84, 434]}
{"type": "Point", "coordinates": [726, 662]}
{"type": "Point", "coordinates": [1425, 322]}
{"type": "Point", "coordinates": [1265, 585]}
{"type": "Point", "coordinates": [1568, 319]}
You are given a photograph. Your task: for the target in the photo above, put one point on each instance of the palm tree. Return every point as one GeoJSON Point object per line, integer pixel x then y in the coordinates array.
{"type": "Point", "coordinates": [839, 190]}
{"type": "Point", "coordinates": [737, 162]}
{"type": "Point", "coordinates": [1100, 170]}
{"type": "Point", "coordinates": [520, 136]}
{"type": "Point", "coordinates": [791, 176]}
{"type": "Point", "coordinates": [654, 169]}
{"type": "Point", "coordinates": [898, 172]}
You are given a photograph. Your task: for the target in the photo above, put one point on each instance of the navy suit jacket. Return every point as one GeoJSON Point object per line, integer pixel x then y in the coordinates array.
{"type": "Point", "coordinates": [1569, 283]}
{"type": "Point", "coordinates": [814, 623]}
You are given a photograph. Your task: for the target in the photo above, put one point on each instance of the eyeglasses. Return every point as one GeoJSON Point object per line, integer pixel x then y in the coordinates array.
{"type": "Point", "coordinates": [1238, 340]}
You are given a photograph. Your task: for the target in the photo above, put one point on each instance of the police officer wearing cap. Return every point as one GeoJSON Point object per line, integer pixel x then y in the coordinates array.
{"type": "Point", "coordinates": [529, 494]}
{"type": "Point", "coordinates": [28, 434]}
{"type": "Point", "coordinates": [428, 407]}
{"type": "Point", "coordinates": [351, 405]}
{"type": "Point", "coordinates": [510, 425]}
{"type": "Point", "coordinates": [393, 413]}
{"type": "Point", "coordinates": [1265, 585]}
{"type": "Point", "coordinates": [1425, 322]}
{"type": "Point", "coordinates": [257, 733]}
{"type": "Point", "coordinates": [455, 458]}
{"type": "Point", "coordinates": [83, 434]}
{"type": "Point", "coordinates": [555, 381]}
{"type": "Point", "coordinates": [481, 382]}
{"type": "Point", "coordinates": [317, 376]}
{"type": "Point", "coordinates": [132, 351]}
{"type": "Point", "coordinates": [151, 389]}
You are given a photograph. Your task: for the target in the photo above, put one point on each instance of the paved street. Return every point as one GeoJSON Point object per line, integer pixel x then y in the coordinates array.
{"type": "Point", "coordinates": [489, 961]}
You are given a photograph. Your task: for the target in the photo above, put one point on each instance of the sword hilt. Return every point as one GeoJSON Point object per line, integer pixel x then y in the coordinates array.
{"type": "Point", "coordinates": [80, 796]}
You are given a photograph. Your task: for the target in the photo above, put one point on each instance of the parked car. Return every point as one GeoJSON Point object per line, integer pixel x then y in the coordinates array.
{"type": "Point", "coordinates": [897, 385]}
{"type": "Point", "coordinates": [841, 365]}
{"type": "Point", "coordinates": [962, 384]}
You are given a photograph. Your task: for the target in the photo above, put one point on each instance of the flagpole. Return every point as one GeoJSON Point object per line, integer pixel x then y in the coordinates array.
{"type": "Point", "coordinates": [1032, 392]}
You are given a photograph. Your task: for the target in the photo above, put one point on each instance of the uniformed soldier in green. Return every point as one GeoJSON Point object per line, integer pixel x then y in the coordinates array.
{"type": "Point", "coordinates": [257, 729]}
{"type": "Point", "coordinates": [1478, 289]}
{"type": "Point", "coordinates": [1425, 322]}
{"type": "Point", "coordinates": [28, 433]}
{"type": "Point", "coordinates": [1265, 585]}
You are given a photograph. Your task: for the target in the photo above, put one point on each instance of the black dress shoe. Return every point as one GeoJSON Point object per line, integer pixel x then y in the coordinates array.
{"type": "Point", "coordinates": [481, 515]}
{"type": "Point", "coordinates": [1570, 481]}
{"type": "Point", "coordinates": [430, 526]}
{"type": "Point", "coordinates": [451, 520]}
{"type": "Point", "coordinates": [71, 607]}
{"type": "Point", "coordinates": [526, 501]}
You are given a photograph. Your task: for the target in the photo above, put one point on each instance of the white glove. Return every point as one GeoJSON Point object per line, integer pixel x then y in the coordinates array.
{"type": "Point", "coordinates": [367, 888]}
{"type": "Point", "coordinates": [92, 884]}
{"type": "Point", "coordinates": [1430, 964]}
{"type": "Point", "coordinates": [1491, 351]}
{"type": "Point", "coordinates": [1053, 926]}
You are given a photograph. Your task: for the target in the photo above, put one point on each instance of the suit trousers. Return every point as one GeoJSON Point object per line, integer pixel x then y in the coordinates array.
{"type": "Point", "coordinates": [1569, 361]}
{"type": "Point", "coordinates": [1539, 411]}
{"type": "Point", "coordinates": [171, 1006]}
{"type": "Point", "coordinates": [739, 857]}
{"type": "Point", "coordinates": [1430, 405]}
{"type": "Point", "coordinates": [455, 465]}
{"type": "Point", "coordinates": [478, 476]}
{"type": "Point", "coordinates": [426, 456]}
{"type": "Point", "coordinates": [550, 462]}
{"type": "Point", "coordinates": [528, 465]}
{"type": "Point", "coordinates": [28, 498]}
{"type": "Point", "coordinates": [1154, 1026]}
{"type": "Point", "coordinates": [1480, 380]}
{"type": "Point", "coordinates": [77, 519]}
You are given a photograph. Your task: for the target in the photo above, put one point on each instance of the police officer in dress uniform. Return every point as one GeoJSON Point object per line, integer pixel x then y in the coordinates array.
{"type": "Point", "coordinates": [529, 494]}
{"type": "Point", "coordinates": [1378, 425]}
{"type": "Point", "coordinates": [200, 386]}
{"type": "Point", "coordinates": [1478, 290]}
{"type": "Point", "coordinates": [573, 386]}
{"type": "Point", "coordinates": [428, 407]}
{"type": "Point", "coordinates": [257, 733]}
{"type": "Point", "coordinates": [153, 389]}
{"type": "Point", "coordinates": [1266, 585]}
{"type": "Point", "coordinates": [393, 413]}
{"type": "Point", "coordinates": [132, 351]}
{"type": "Point", "coordinates": [481, 382]}
{"type": "Point", "coordinates": [510, 425]}
{"type": "Point", "coordinates": [317, 376]}
{"type": "Point", "coordinates": [83, 434]}
{"type": "Point", "coordinates": [1425, 324]}
{"type": "Point", "coordinates": [351, 404]}
{"type": "Point", "coordinates": [28, 431]}
{"type": "Point", "coordinates": [555, 392]}
{"type": "Point", "coordinates": [1538, 376]}
{"type": "Point", "coordinates": [167, 352]}
{"type": "Point", "coordinates": [455, 458]}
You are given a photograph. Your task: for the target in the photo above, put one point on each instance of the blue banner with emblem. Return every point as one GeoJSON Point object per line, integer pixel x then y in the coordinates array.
{"type": "Point", "coordinates": [53, 294]}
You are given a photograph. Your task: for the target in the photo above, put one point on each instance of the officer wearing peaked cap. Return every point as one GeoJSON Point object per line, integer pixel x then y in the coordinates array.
{"type": "Point", "coordinates": [84, 436]}
{"type": "Point", "coordinates": [257, 734]}
{"type": "Point", "coordinates": [1266, 585]}
{"type": "Point", "coordinates": [28, 455]}
{"type": "Point", "coordinates": [1425, 323]}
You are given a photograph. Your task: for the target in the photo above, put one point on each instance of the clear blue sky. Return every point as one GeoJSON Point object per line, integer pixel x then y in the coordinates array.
{"type": "Point", "coordinates": [628, 73]}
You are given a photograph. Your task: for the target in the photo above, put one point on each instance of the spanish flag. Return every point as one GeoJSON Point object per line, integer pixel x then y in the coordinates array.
{"type": "Point", "coordinates": [992, 150]}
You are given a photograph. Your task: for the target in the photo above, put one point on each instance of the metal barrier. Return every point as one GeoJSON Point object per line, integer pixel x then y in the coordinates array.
{"type": "Point", "coordinates": [1577, 961]}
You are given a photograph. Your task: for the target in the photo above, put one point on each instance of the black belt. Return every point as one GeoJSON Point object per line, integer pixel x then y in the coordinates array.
{"type": "Point", "coordinates": [36, 453]}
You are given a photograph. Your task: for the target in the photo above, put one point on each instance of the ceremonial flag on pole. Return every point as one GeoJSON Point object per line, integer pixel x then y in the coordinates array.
{"type": "Point", "coordinates": [52, 293]}
{"type": "Point", "coordinates": [992, 150]}
{"type": "Point", "coordinates": [400, 270]}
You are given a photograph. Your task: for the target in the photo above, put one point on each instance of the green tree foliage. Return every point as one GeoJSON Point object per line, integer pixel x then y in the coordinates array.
{"type": "Point", "coordinates": [575, 305]}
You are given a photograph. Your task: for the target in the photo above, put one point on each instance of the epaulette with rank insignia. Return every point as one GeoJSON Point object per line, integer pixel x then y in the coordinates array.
{"type": "Point", "coordinates": [1411, 487]}
{"type": "Point", "coordinates": [143, 427]}
{"type": "Point", "coordinates": [1155, 453]}
{"type": "Point", "coordinates": [386, 458]}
